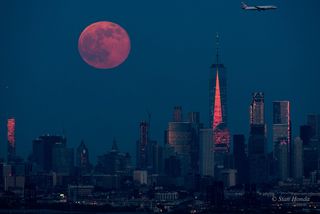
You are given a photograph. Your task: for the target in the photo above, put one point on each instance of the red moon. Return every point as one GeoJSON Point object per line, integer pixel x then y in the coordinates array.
{"type": "Point", "coordinates": [104, 45]}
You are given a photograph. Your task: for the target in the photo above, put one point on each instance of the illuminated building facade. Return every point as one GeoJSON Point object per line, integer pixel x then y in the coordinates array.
{"type": "Point", "coordinates": [257, 108]}
{"type": "Point", "coordinates": [11, 139]}
{"type": "Point", "coordinates": [180, 140]}
{"type": "Point", "coordinates": [181, 155]}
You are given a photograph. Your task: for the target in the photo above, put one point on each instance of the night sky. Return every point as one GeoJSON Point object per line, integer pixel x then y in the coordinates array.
{"type": "Point", "coordinates": [48, 88]}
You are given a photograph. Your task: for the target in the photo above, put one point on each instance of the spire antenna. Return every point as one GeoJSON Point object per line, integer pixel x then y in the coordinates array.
{"type": "Point", "coordinates": [217, 44]}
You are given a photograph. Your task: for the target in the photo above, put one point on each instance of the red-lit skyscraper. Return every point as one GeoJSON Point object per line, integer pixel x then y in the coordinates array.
{"type": "Point", "coordinates": [218, 104]}
{"type": "Point", "coordinates": [217, 111]}
{"type": "Point", "coordinates": [11, 139]}
{"type": "Point", "coordinates": [218, 89]}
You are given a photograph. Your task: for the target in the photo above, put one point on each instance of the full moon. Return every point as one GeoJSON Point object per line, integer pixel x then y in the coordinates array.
{"type": "Point", "coordinates": [104, 45]}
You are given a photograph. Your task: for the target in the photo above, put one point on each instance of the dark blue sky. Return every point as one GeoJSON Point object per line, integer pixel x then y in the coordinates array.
{"type": "Point", "coordinates": [47, 87]}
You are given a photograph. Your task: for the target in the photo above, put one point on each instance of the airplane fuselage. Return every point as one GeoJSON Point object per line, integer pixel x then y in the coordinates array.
{"type": "Point", "coordinates": [260, 8]}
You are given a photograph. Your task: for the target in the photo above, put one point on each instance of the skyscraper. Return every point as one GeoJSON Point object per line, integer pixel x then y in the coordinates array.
{"type": "Point", "coordinates": [142, 146]}
{"type": "Point", "coordinates": [194, 119]}
{"type": "Point", "coordinates": [297, 165]}
{"type": "Point", "coordinates": [62, 158]}
{"type": "Point", "coordinates": [313, 121]}
{"type": "Point", "coordinates": [149, 152]}
{"type": "Point", "coordinates": [42, 151]}
{"type": "Point", "coordinates": [305, 134]}
{"type": "Point", "coordinates": [178, 151]}
{"type": "Point", "coordinates": [114, 162]}
{"type": "Point", "coordinates": [257, 154]}
{"type": "Point", "coordinates": [11, 139]}
{"type": "Point", "coordinates": [310, 135]}
{"type": "Point", "coordinates": [257, 108]}
{"type": "Point", "coordinates": [282, 137]}
{"type": "Point", "coordinates": [240, 158]}
{"type": "Point", "coordinates": [218, 104]}
{"type": "Point", "coordinates": [206, 149]}
{"type": "Point", "coordinates": [281, 122]}
{"type": "Point", "coordinates": [154, 157]}
{"type": "Point", "coordinates": [257, 140]}
{"type": "Point", "coordinates": [180, 139]}
{"type": "Point", "coordinates": [217, 90]}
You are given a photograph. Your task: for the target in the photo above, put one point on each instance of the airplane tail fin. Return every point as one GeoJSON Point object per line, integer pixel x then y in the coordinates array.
{"type": "Point", "coordinates": [244, 6]}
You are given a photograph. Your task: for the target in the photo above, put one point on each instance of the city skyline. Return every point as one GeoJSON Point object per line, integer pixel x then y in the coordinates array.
{"type": "Point", "coordinates": [159, 107]}
{"type": "Point", "coordinates": [26, 104]}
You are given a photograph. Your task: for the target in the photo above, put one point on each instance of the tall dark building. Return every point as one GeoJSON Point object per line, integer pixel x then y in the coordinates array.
{"type": "Point", "coordinates": [257, 154]}
{"type": "Point", "coordinates": [206, 153]}
{"type": "Point", "coordinates": [82, 158]}
{"type": "Point", "coordinates": [142, 143]}
{"type": "Point", "coordinates": [194, 119]}
{"type": "Point", "coordinates": [218, 104]}
{"type": "Point", "coordinates": [305, 134]}
{"type": "Point", "coordinates": [154, 158]}
{"type": "Point", "coordinates": [240, 158]}
{"type": "Point", "coordinates": [313, 121]}
{"type": "Point", "coordinates": [149, 152]}
{"type": "Point", "coordinates": [62, 158]}
{"type": "Point", "coordinates": [257, 144]}
{"type": "Point", "coordinates": [42, 151]}
{"type": "Point", "coordinates": [281, 128]}
{"type": "Point", "coordinates": [11, 124]}
{"type": "Point", "coordinates": [114, 162]}
{"type": "Point", "coordinates": [297, 159]}
{"type": "Point", "coordinates": [309, 135]}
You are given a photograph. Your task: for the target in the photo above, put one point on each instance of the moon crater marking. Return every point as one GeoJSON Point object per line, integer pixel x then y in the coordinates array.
{"type": "Point", "coordinates": [104, 45]}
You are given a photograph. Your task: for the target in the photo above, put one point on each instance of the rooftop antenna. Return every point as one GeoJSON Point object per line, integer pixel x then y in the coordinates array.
{"type": "Point", "coordinates": [217, 45]}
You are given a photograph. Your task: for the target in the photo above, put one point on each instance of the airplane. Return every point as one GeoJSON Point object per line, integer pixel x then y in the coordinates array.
{"type": "Point", "coordinates": [259, 8]}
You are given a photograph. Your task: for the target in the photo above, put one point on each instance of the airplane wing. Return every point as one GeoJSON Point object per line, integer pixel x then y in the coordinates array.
{"type": "Point", "coordinates": [260, 8]}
